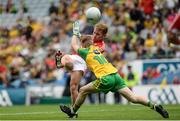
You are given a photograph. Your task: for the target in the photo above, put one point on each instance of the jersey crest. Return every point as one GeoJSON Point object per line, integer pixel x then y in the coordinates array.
{"type": "Point", "coordinates": [96, 52]}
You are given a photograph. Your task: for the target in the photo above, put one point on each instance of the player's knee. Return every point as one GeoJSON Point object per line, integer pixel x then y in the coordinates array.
{"type": "Point", "coordinates": [73, 87]}
{"type": "Point", "coordinates": [83, 91]}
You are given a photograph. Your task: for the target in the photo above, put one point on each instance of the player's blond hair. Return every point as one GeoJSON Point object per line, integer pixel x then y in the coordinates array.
{"type": "Point", "coordinates": [102, 27]}
{"type": "Point", "coordinates": [86, 41]}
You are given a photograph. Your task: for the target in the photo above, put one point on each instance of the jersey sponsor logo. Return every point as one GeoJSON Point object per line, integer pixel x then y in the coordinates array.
{"type": "Point", "coordinates": [164, 96]}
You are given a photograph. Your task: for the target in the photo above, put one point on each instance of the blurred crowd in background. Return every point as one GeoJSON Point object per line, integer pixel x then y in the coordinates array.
{"type": "Point", "coordinates": [137, 30]}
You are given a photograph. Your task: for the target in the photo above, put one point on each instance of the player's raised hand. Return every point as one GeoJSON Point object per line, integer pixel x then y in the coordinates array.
{"type": "Point", "coordinates": [76, 29]}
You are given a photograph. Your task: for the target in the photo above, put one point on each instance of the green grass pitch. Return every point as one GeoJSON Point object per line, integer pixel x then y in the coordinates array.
{"type": "Point", "coordinates": [87, 112]}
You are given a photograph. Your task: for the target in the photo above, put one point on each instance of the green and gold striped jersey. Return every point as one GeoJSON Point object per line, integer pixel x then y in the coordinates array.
{"type": "Point", "coordinates": [96, 62]}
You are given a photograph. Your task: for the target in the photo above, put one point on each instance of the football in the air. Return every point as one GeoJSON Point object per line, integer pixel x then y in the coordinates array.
{"type": "Point", "coordinates": [93, 15]}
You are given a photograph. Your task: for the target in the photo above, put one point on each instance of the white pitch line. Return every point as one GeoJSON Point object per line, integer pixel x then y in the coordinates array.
{"type": "Point", "coordinates": [53, 112]}
{"type": "Point", "coordinates": [28, 113]}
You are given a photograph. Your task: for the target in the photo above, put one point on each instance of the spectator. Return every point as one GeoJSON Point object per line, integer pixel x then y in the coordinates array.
{"type": "Point", "coordinates": [131, 77]}
{"type": "Point", "coordinates": [50, 67]}
{"type": "Point", "coordinates": [53, 9]}
{"type": "Point", "coordinates": [176, 80]}
{"type": "Point", "coordinates": [10, 7]}
{"type": "Point", "coordinates": [149, 42]}
{"type": "Point", "coordinates": [147, 75]}
{"type": "Point", "coordinates": [170, 4]}
{"type": "Point", "coordinates": [155, 73]}
{"type": "Point", "coordinates": [1, 8]}
{"type": "Point", "coordinates": [147, 6]}
{"type": "Point", "coordinates": [136, 13]}
{"type": "Point", "coordinates": [3, 74]}
{"type": "Point", "coordinates": [14, 74]}
{"type": "Point", "coordinates": [24, 7]}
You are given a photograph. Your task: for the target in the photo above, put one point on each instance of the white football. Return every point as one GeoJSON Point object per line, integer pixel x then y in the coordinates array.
{"type": "Point", "coordinates": [93, 15]}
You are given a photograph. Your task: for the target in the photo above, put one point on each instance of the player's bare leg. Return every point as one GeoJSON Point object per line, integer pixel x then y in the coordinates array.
{"type": "Point", "coordinates": [83, 92]}
{"type": "Point", "coordinates": [74, 84]}
{"type": "Point", "coordinates": [129, 95]}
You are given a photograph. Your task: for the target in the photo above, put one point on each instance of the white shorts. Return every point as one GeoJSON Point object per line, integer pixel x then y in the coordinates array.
{"type": "Point", "coordinates": [78, 63]}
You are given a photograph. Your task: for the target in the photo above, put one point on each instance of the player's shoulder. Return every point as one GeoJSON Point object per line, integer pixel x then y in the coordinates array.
{"type": "Point", "coordinates": [83, 50]}
{"type": "Point", "coordinates": [94, 47]}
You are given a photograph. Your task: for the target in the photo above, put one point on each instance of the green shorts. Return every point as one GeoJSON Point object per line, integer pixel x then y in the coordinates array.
{"type": "Point", "coordinates": [112, 82]}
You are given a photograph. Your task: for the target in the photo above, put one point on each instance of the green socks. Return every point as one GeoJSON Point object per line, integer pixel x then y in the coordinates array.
{"type": "Point", "coordinates": [75, 108]}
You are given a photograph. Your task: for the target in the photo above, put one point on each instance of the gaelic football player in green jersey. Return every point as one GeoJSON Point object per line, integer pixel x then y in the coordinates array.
{"type": "Point", "coordinates": [107, 78]}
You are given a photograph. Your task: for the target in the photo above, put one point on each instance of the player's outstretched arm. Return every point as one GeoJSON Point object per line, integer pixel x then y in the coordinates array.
{"type": "Point", "coordinates": [75, 43]}
{"type": "Point", "coordinates": [76, 34]}
{"type": "Point", "coordinates": [76, 28]}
